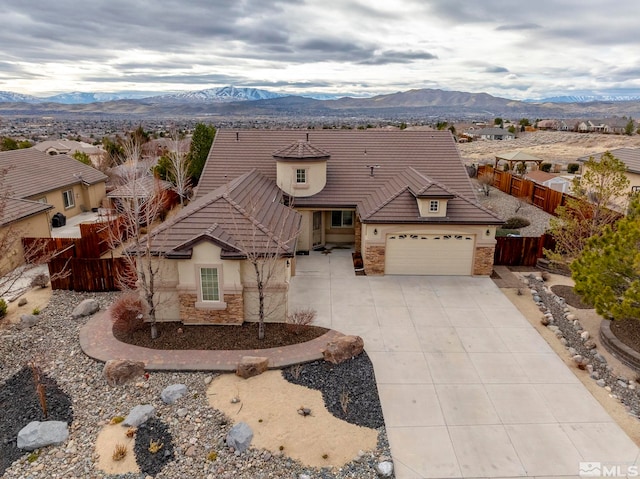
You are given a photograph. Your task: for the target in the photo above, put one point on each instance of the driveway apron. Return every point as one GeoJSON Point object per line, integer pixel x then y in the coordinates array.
{"type": "Point", "coordinates": [468, 387]}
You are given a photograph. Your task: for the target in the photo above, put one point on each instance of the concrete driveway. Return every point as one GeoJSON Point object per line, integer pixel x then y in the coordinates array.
{"type": "Point", "coordinates": [468, 387]}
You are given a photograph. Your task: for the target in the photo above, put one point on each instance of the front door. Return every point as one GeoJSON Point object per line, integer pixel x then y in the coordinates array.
{"type": "Point", "coordinates": [317, 229]}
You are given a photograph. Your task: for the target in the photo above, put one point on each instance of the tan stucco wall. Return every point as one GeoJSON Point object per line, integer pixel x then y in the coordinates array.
{"type": "Point", "coordinates": [316, 177]}
{"type": "Point", "coordinates": [373, 245]}
{"type": "Point", "coordinates": [84, 197]}
{"type": "Point", "coordinates": [425, 203]}
{"type": "Point", "coordinates": [276, 293]}
{"type": "Point", "coordinates": [34, 227]}
{"type": "Point", "coordinates": [306, 231]}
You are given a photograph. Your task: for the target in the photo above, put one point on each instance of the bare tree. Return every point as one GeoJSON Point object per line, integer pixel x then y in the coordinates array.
{"type": "Point", "coordinates": [266, 248]}
{"type": "Point", "coordinates": [177, 166]}
{"type": "Point", "coordinates": [486, 181]}
{"type": "Point", "coordinates": [135, 215]}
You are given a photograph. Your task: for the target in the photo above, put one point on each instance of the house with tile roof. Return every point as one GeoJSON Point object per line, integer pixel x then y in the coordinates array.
{"type": "Point", "coordinates": [36, 185]}
{"type": "Point", "coordinates": [630, 157]}
{"type": "Point", "coordinates": [400, 199]}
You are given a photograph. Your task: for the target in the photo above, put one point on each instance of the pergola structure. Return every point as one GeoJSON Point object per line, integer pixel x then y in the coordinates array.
{"type": "Point", "coordinates": [514, 157]}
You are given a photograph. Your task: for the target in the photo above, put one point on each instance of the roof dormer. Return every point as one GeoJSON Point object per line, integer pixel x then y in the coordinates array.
{"type": "Point", "coordinates": [301, 168]}
{"type": "Point", "coordinates": [432, 202]}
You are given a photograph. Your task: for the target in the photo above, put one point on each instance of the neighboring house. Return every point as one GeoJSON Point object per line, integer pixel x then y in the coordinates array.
{"type": "Point", "coordinates": [402, 199]}
{"type": "Point", "coordinates": [553, 125]}
{"type": "Point", "coordinates": [66, 184]}
{"type": "Point", "coordinates": [20, 218]}
{"type": "Point", "coordinates": [557, 183]}
{"type": "Point", "coordinates": [69, 147]}
{"type": "Point", "coordinates": [630, 157]}
{"type": "Point", "coordinates": [615, 125]}
{"type": "Point", "coordinates": [493, 134]}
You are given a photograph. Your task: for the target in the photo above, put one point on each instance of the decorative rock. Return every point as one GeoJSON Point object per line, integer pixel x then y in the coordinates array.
{"type": "Point", "coordinates": [343, 348]}
{"type": "Point", "coordinates": [182, 412]}
{"type": "Point", "coordinates": [304, 476]}
{"type": "Point", "coordinates": [385, 469]}
{"type": "Point", "coordinates": [119, 371]}
{"type": "Point", "coordinates": [584, 335]}
{"type": "Point", "coordinates": [572, 351]}
{"type": "Point", "coordinates": [240, 436]}
{"type": "Point", "coordinates": [553, 328]}
{"type": "Point", "coordinates": [590, 344]}
{"type": "Point", "coordinates": [595, 375]}
{"type": "Point", "coordinates": [28, 320]}
{"type": "Point", "coordinates": [250, 366]}
{"type": "Point", "coordinates": [38, 434]}
{"type": "Point", "coordinates": [536, 298]}
{"type": "Point", "coordinates": [578, 358]}
{"type": "Point", "coordinates": [571, 317]}
{"type": "Point", "coordinates": [622, 384]}
{"type": "Point", "coordinates": [85, 308]}
{"type": "Point", "coordinates": [22, 301]}
{"type": "Point", "coordinates": [601, 383]}
{"type": "Point", "coordinates": [172, 393]}
{"type": "Point", "coordinates": [564, 341]}
{"type": "Point", "coordinates": [599, 357]}
{"type": "Point", "coordinates": [208, 380]}
{"type": "Point", "coordinates": [544, 321]}
{"type": "Point", "coordinates": [139, 415]}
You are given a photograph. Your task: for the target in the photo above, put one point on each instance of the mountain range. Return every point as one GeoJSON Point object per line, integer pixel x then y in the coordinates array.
{"type": "Point", "coordinates": [235, 101]}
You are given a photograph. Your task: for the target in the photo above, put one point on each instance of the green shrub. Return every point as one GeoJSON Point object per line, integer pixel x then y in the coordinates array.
{"type": "Point", "coordinates": [3, 308]}
{"type": "Point", "coordinates": [506, 232]}
{"type": "Point", "coordinates": [573, 168]}
{"type": "Point", "coordinates": [546, 167]}
{"type": "Point", "coordinates": [516, 222]}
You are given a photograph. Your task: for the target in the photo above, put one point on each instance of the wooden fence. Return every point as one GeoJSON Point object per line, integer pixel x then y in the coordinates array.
{"type": "Point", "coordinates": [541, 196]}
{"type": "Point", "coordinates": [76, 264]}
{"type": "Point", "coordinates": [521, 251]}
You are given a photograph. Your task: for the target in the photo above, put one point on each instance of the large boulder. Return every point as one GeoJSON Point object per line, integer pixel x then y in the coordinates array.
{"type": "Point", "coordinates": [85, 308]}
{"type": "Point", "coordinates": [240, 436]}
{"type": "Point", "coordinates": [343, 348]}
{"type": "Point", "coordinates": [250, 366]}
{"type": "Point", "coordinates": [38, 434]}
{"type": "Point", "coordinates": [120, 371]}
{"type": "Point", "coordinates": [139, 415]}
{"type": "Point", "coordinates": [172, 393]}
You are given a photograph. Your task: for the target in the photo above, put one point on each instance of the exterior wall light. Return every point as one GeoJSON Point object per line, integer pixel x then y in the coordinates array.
{"type": "Point", "coordinates": [375, 231]}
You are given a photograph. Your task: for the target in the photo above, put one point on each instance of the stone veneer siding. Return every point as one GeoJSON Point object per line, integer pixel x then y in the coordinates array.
{"type": "Point", "coordinates": [483, 262]}
{"type": "Point", "coordinates": [233, 314]}
{"type": "Point", "coordinates": [373, 259]}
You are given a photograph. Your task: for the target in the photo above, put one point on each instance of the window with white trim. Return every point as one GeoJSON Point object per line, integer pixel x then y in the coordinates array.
{"type": "Point", "coordinates": [342, 219]}
{"type": "Point", "coordinates": [301, 176]}
{"type": "Point", "coordinates": [434, 206]}
{"type": "Point", "coordinates": [67, 199]}
{"type": "Point", "coordinates": [209, 284]}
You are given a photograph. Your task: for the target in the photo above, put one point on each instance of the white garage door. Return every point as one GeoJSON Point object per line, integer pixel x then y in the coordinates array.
{"type": "Point", "coordinates": [421, 254]}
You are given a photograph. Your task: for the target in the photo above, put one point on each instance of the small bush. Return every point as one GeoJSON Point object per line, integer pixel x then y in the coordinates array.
{"type": "Point", "coordinates": [516, 222]}
{"type": "Point", "coordinates": [127, 313]}
{"type": "Point", "coordinates": [298, 319]}
{"type": "Point", "coordinates": [546, 167]}
{"type": "Point", "coordinates": [3, 308]}
{"type": "Point", "coordinates": [573, 168]}
{"type": "Point", "coordinates": [35, 311]}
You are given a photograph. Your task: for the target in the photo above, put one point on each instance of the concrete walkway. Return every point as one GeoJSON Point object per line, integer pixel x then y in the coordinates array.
{"type": "Point", "coordinates": [468, 387]}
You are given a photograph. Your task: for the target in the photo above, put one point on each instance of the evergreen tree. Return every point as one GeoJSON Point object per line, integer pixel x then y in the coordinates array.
{"type": "Point", "coordinates": [200, 145]}
{"type": "Point", "coordinates": [607, 272]}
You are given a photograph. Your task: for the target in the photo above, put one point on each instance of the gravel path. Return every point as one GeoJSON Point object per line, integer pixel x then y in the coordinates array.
{"type": "Point", "coordinates": [196, 428]}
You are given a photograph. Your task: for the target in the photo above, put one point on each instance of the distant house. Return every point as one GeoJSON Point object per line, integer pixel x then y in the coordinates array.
{"type": "Point", "coordinates": [552, 125]}
{"type": "Point", "coordinates": [615, 125]}
{"type": "Point", "coordinates": [493, 134]}
{"type": "Point", "coordinates": [69, 147]}
{"type": "Point", "coordinates": [554, 182]}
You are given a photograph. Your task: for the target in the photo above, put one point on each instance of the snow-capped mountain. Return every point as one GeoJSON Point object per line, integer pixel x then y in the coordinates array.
{"type": "Point", "coordinates": [219, 95]}
{"type": "Point", "coordinates": [585, 98]}
{"type": "Point", "coordinates": [7, 96]}
{"type": "Point", "coordinates": [81, 98]}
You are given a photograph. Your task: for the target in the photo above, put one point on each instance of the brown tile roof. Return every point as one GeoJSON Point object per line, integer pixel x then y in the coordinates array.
{"type": "Point", "coordinates": [629, 156]}
{"type": "Point", "coordinates": [351, 180]}
{"type": "Point", "coordinates": [14, 209]}
{"type": "Point", "coordinates": [299, 150]}
{"type": "Point", "coordinates": [141, 187]}
{"type": "Point", "coordinates": [31, 172]}
{"type": "Point", "coordinates": [539, 176]}
{"type": "Point", "coordinates": [244, 215]}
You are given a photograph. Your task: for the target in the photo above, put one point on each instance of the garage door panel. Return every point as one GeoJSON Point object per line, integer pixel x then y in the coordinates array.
{"type": "Point", "coordinates": [448, 254]}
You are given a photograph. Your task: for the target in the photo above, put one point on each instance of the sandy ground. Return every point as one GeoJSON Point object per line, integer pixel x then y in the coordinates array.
{"type": "Point", "coordinates": [551, 146]}
{"type": "Point", "coordinates": [590, 322]}
{"type": "Point", "coordinates": [36, 298]}
{"type": "Point", "coordinates": [269, 404]}
{"type": "Point", "coordinates": [108, 437]}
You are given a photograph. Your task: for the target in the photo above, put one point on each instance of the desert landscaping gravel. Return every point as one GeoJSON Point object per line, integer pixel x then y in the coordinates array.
{"type": "Point", "coordinates": [196, 429]}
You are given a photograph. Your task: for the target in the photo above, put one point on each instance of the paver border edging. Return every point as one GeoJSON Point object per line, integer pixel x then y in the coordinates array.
{"type": "Point", "coordinates": [617, 348]}
{"type": "Point", "coordinates": [97, 342]}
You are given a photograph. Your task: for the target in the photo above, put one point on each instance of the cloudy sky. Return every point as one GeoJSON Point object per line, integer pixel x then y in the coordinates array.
{"type": "Point", "coordinates": [511, 49]}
